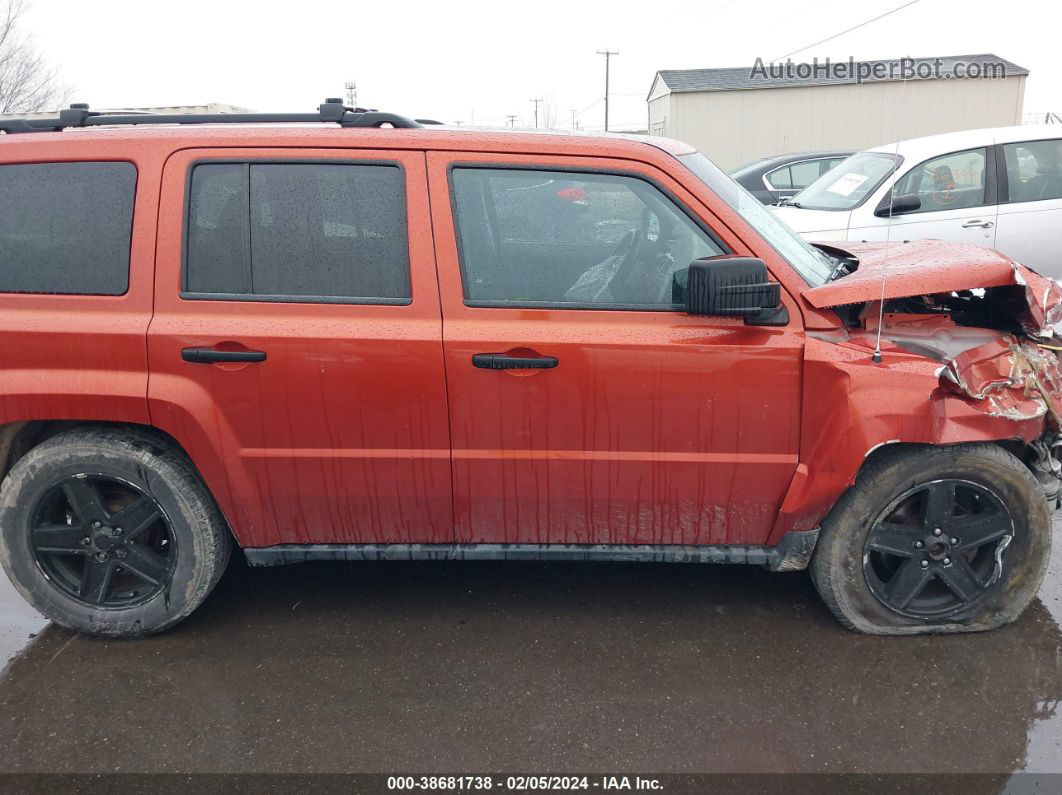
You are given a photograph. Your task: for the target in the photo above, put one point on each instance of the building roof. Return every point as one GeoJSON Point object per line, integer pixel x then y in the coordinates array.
{"type": "Point", "coordinates": [749, 77]}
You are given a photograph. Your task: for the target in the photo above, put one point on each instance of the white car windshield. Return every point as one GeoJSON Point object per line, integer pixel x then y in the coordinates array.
{"type": "Point", "coordinates": [847, 185]}
{"type": "Point", "coordinates": [813, 265]}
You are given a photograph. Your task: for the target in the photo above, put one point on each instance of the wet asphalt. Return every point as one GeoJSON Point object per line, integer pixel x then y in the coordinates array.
{"type": "Point", "coordinates": [478, 667]}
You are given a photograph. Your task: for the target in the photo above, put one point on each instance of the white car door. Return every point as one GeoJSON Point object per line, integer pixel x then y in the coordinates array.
{"type": "Point", "coordinates": [958, 202]}
{"type": "Point", "coordinates": [1029, 225]}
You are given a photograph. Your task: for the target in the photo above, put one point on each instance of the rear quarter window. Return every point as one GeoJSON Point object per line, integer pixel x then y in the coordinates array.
{"type": "Point", "coordinates": [65, 228]}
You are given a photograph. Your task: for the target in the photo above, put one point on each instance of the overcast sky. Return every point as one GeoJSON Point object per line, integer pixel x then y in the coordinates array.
{"type": "Point", "coordinates": [480, 61]}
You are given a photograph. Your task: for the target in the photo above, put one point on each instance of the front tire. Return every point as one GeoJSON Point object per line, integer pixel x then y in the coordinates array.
{"type": "Point", "coordinates": [935, 539]}
{"type": "Point", "coordinates": [110, 533]}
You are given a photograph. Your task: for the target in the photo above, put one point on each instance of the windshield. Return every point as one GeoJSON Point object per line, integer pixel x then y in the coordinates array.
{"type": "Point", "coordinates": [814, 266]}
{"type": "Point", "coordinates": [848, 184]}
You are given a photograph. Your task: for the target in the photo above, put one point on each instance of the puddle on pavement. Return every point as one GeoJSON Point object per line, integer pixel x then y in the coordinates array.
{"type": "Point", "coordinates": [19, 623]}
{"type": "Point", "coordinates": [511, 666]}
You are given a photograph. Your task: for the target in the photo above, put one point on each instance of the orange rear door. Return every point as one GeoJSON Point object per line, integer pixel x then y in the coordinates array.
{"type": "Point", "coordinates": [296, 345]}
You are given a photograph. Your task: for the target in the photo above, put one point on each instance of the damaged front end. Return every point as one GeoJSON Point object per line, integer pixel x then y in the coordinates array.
{"type": "Point", "coordinates": [987, 328]}
{"type": "Point", "coordinates": [1017, 379]}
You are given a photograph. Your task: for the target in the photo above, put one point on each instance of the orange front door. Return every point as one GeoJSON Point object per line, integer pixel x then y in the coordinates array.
{"type": "Point", "coordinates": [651, 426]}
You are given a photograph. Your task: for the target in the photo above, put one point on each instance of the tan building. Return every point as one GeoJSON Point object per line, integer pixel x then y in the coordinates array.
{"type": "Point", "coordinates": [738, 115]}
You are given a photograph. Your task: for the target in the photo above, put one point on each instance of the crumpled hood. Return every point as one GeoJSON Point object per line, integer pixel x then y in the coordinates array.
{"type": "Point", "coordinates": [926, 267]}
{"type": "Point", "coordinates": [1007, 376]}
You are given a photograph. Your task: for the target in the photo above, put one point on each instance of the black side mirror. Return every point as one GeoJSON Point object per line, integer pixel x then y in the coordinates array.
{"type": "Point", "coordinates": [907, 203]}
{"type": "Point", "coordinates": [734, 287]}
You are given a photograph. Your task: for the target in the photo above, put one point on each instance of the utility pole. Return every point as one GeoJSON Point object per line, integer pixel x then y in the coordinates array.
{"type": "Point", "coordinates": [511, 118]}
{"type": "Point", "coordinates": [352, 94]}
{"type": "Point", "coordinates": [573, 119]}
{"type": "Point", "coordinates": [536, 101]}
{"type": "Point", "coordinates": [608, 54]}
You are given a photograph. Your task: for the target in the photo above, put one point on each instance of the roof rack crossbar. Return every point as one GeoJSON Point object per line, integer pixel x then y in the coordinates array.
{"type": "Point", "coordinates": [331, 111]}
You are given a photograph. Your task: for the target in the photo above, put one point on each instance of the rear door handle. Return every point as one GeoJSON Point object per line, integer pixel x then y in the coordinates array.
{"type": "Point", "coordinates": [978, 223]}
{"type": "Point", "coordinates": [213, 356]}
{"type": "Point", "coordinates": [501, 361]}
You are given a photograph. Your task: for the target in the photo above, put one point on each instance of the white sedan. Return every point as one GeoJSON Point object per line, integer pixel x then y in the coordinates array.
{"type": "Point", "coordinates": [1000, 188]}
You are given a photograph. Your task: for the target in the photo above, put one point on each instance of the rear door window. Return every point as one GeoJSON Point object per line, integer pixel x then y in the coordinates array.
{"type": "Point", "coordinates": [1034, 170]}
{"type": "Point", "coordinates": [803, 174]}
{"type": "Point", "coordinates": [65, 228]}
{"type": "Point", "coordinates": [832, 163]}
{"type": "Point", "coordinates": [297, 232]}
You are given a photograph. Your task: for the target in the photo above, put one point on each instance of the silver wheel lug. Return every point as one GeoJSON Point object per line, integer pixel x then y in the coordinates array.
{"type": "Point", "coordinates": [85, 541]}
{"type": "Point", "coordinates": [954, 540]}
{"type": "Point", "coordinates": [937, 531]}
{"type": "Point", "coordinates": [946, 561]}
{"type": "Point", "coordinates": [116, 531]}
{"type": "Point", "coordinates": [101, 557]}
{"type": "Point", "coordinates": [925, 564]}
{"type": "Point", "coordinates": [919, 545]}
{"type": "Point", "coordinates": [97, 525]}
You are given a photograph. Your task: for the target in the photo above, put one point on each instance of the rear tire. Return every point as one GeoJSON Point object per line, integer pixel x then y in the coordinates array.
{"type": "Point", "coordinates": [891, 561]}
{"type": "Point", "coordinates": [62, 543]}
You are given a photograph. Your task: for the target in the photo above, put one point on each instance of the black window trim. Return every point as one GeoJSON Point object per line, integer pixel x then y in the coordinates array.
{"type": "Point", "coordinates": [1003, 177]}
{"type": "Point", "coordinates": [510, 304]}
{"type": "Point", "coordinates": [132, 225]}
{"type": "Point", "coordinates": [991, 189]}
{"type": "Point", "coordinates": [259, 298]}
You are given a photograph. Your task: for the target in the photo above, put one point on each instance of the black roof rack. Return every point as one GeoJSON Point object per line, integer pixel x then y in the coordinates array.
{"type": "Point", "coordinates": [331, 111]}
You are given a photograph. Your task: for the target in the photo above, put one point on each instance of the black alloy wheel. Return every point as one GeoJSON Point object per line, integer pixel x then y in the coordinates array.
{"type": "Point", "coordinates": [936, 550]}
{"type": "Point", "coordinates": [103, 541]}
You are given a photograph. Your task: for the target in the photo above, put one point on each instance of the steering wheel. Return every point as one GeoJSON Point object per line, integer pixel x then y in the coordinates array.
{"type": "Point", "coordinates": [638, 238]}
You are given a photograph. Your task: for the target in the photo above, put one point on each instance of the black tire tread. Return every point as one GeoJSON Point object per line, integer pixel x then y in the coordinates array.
{"type": "Point", "coordinates": [848, 507]}
{"type": "Point", "coordinates": [168, 460]}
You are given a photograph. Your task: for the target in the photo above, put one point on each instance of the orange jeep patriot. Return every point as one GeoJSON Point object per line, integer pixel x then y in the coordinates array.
{"type": "Point", "coordinates": [344, 335]}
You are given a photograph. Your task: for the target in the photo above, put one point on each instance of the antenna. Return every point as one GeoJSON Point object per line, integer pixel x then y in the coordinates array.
{"type": "Point", "coordinates": [876, 357]}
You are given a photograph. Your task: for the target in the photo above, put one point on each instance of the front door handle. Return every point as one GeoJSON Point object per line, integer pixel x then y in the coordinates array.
{"type": "Point", "coordinates": [978, 223]}
{"type": "Point", "coordinates": [213, 356]}
{"type": "Point", "coordinates": [502, 361]}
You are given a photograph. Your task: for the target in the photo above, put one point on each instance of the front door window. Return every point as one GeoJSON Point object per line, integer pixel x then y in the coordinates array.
{"type": "Point", "coordinates": [553, 238]}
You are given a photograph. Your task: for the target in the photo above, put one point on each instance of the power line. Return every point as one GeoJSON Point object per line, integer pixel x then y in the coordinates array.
{"type": "Point", "coordinates": [588, 107]}
{"type": "Point", "coordinates": [849, 30]}
{"type": "Point", "coordinates": [714, 11]}
{"type": "Point", "coordinates": [801, 13]}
